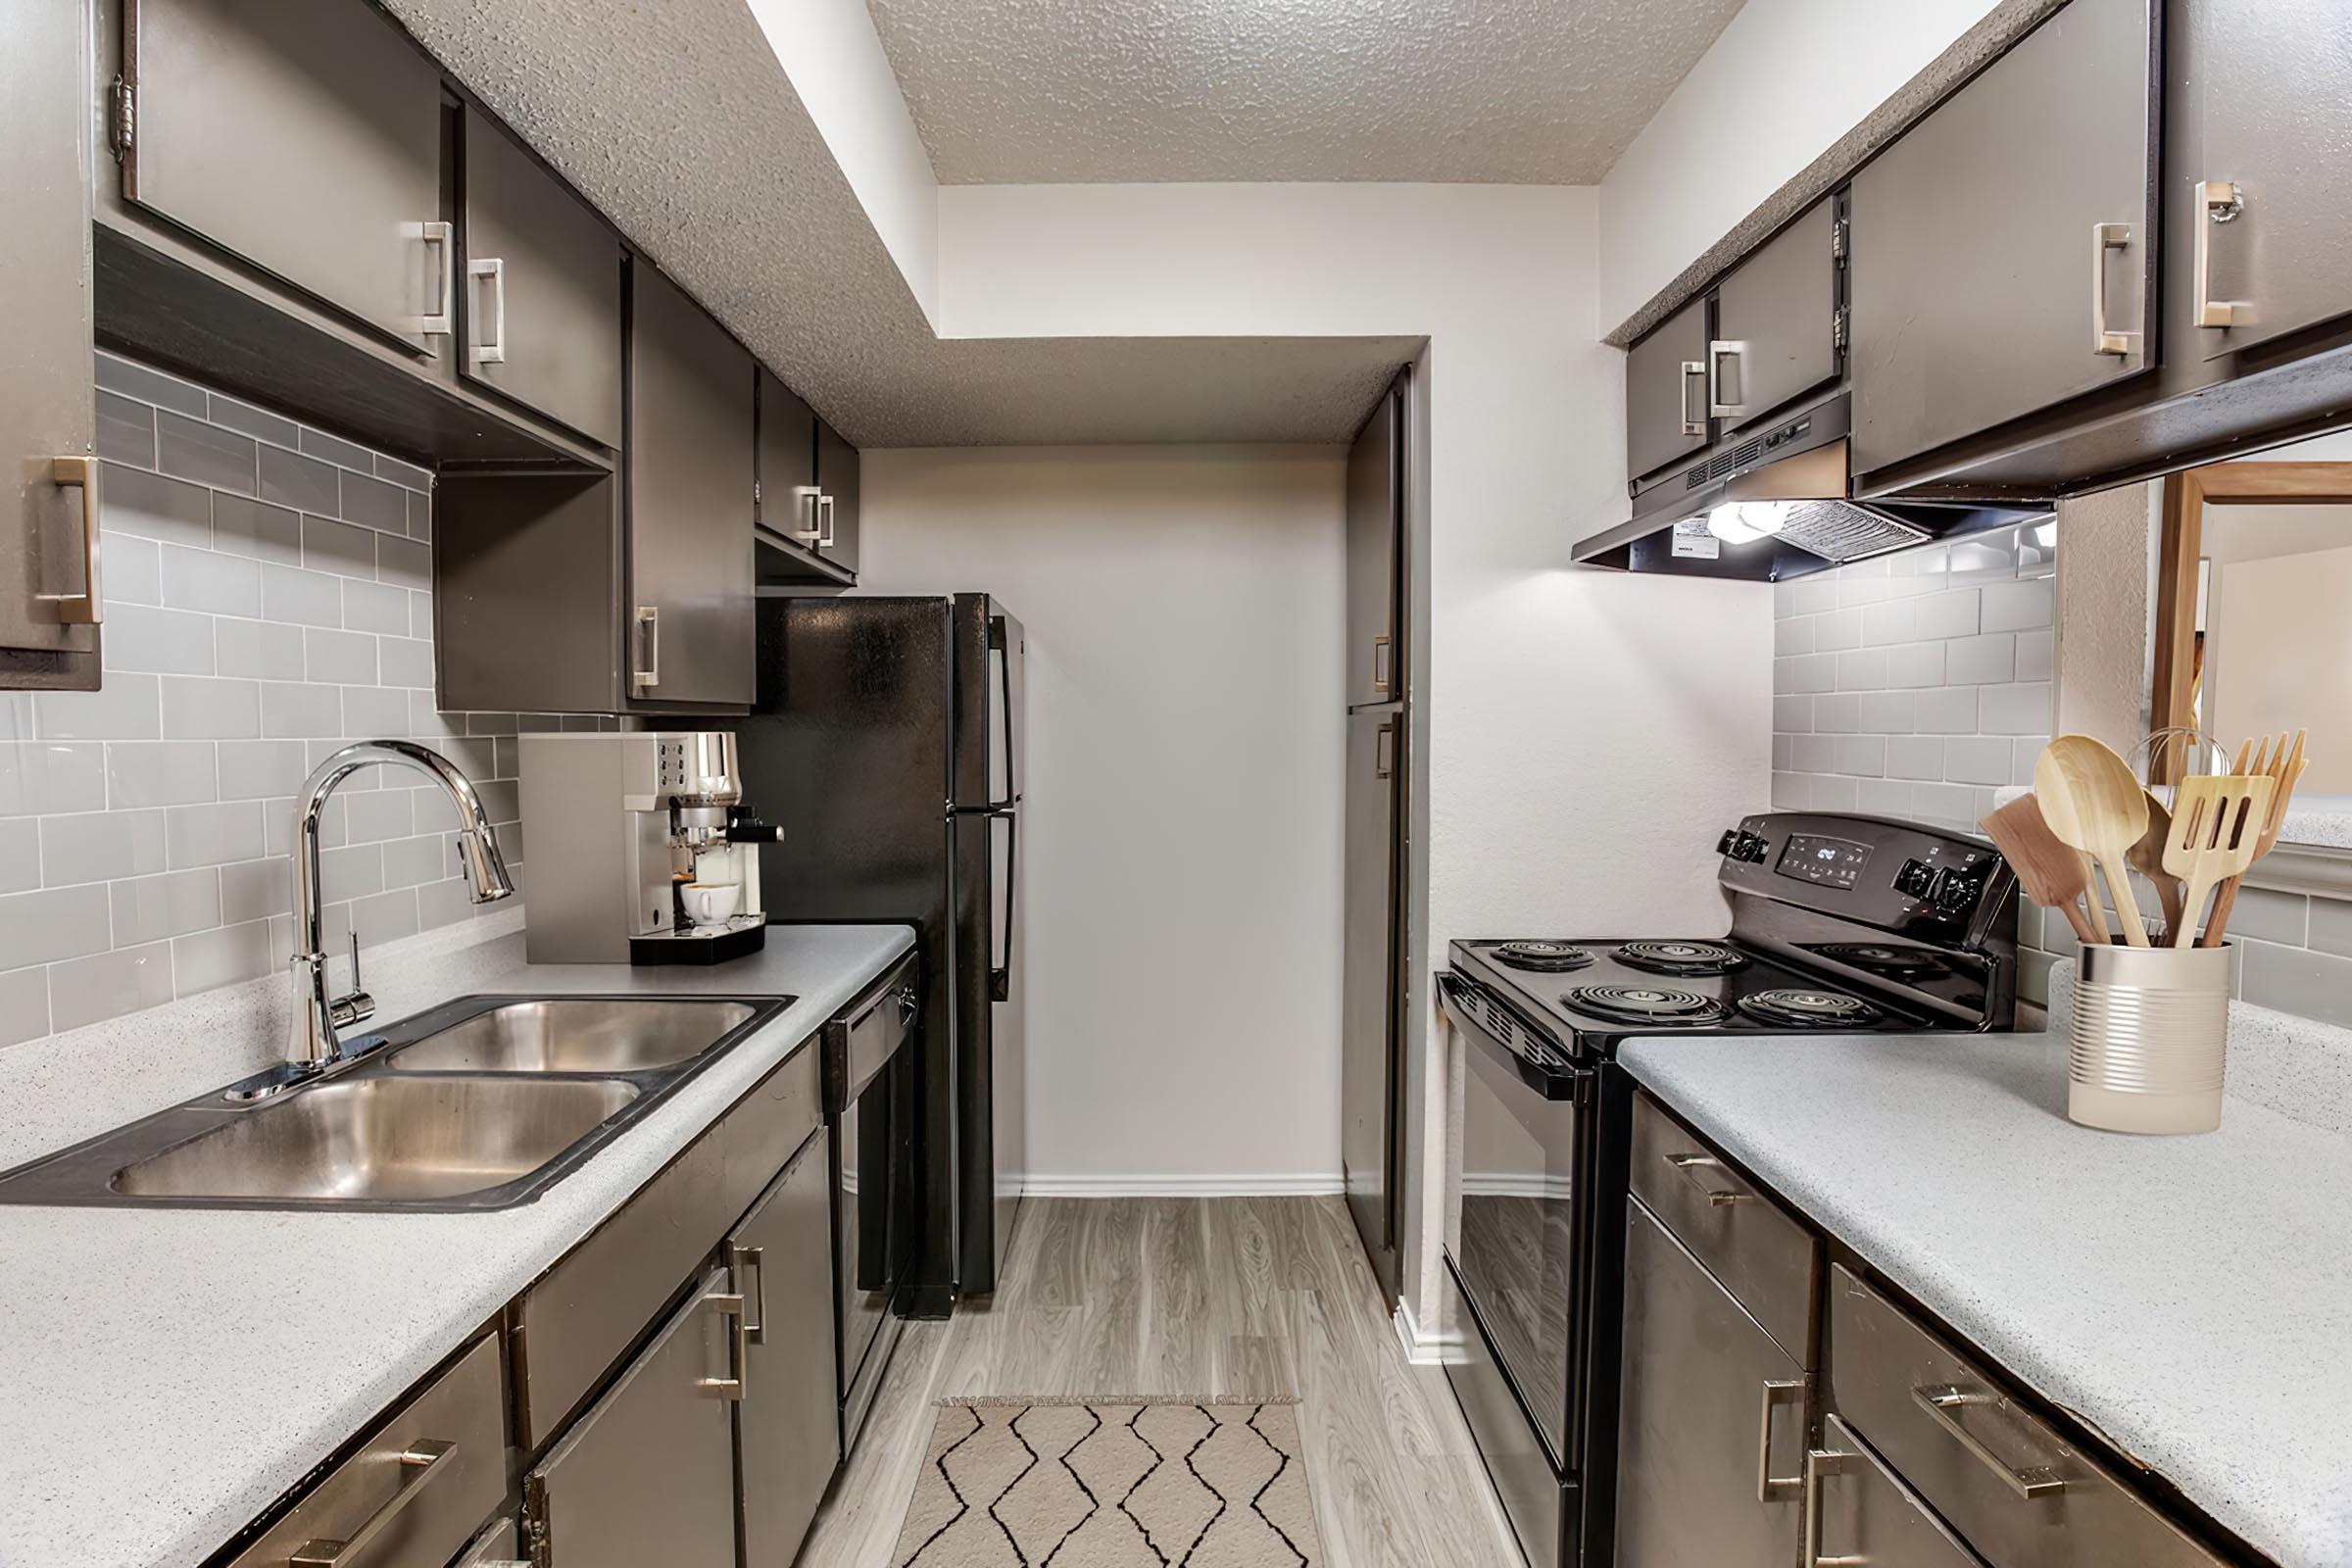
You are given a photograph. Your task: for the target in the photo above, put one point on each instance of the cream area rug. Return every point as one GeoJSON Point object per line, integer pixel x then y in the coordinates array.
{"type": "Point", "coordinates": [1113, 1483]}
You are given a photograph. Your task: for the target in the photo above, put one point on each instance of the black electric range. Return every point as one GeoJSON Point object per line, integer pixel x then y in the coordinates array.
{"type": "Point", "coordinates": [1839, 924]}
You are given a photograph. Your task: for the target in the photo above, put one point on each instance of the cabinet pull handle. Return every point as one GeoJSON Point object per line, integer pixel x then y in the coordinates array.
{"type": "Point", "coordinates": [1381, 681]}
{"type": "Point", "coordinates": [1769, 1487]}
{"type": "Point", "coordinates": [824, 521]}
{"type": "Point", "coordinates": [88, 607]}
{"type": "Point", "coordinates": [807, 527]}
{"type": "Point", "coordinates": [753, 1261]}
{"type": "Point", "coordinates": [441, 322]}
{"type": "Point", "coordinates": [1384, 763]}
{"type": "Point", "coordinates": [2105, 237]}
{"type": "Point", "coordinates": [2218, 201]}
{"type": "Point", "coordinates": [1694, 397]}
{"type": "Point", "coordinates": [1943, 1402]}
{"type": "Point", "coordinates": [1688, 1166]}
{"type": "Point", "coordinates": [647, 674]}
{"type": "Point", "coordinates": [420, 1464]}
{"type": "Point", "coordinates": [1723, 370]}
{"type": "Point", "coordinates": [493, 268]}
{"type": "Point", "coordinates": [729, 1305]}
{"type": "Point", "coordinates": [1820, 1465]}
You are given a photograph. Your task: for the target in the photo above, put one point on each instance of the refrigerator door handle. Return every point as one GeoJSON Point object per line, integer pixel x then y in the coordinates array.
{"type": "Point", "coordinates": [1000, 980]}
{"type": "Point", "coordinates": [999, 641]}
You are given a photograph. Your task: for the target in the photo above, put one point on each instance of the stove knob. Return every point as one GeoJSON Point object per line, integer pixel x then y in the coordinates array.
{"type": "Point", "coordinates": [1728, 844]}
{"type": "Point", "coordinates": [1751, 847]}
{"type": "Point", "coordinates": [1957, 893]}
{"type": "Point", "coordinates": [1917, 879]}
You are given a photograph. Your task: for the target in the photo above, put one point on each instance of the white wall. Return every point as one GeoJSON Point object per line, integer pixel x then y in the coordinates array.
{"type": "Point", "coordinates": [834, 58]}
{"type": "Point", "coordinates": [1184, 792]}
{"type": "Point", "coordinates": [1589, 732]}
{"type": "Point", "coordinates": [1783, 82]}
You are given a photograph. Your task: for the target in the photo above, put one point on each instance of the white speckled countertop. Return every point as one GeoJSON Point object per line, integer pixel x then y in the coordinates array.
{"type": "Point", "coordinates": [2191, 1298]}
{"type": "Point", "coordinates": [165, 1375]}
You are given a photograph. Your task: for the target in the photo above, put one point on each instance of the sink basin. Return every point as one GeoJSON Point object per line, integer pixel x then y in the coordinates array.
{"type": "Point", "coordinates": [383, 1139]}
{"type": "Point", "coordinates": [575, 1035]}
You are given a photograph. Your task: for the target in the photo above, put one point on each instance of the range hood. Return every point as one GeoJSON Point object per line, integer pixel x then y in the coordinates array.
{"type": "Point", "coordinates": [1790, 478]}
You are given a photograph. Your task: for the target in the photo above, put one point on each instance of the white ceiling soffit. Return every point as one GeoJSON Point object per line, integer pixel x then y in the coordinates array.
{"type": "Point", "coordinates": [678, 122]}
{"type": "Point", "coordinates": [1530, 92]}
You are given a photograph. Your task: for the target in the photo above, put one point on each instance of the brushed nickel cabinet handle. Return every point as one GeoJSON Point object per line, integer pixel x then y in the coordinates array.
{"type": "Point", "coordinates": [1820, 1465]}
{"type": "Point", "coordinates": [2219, 202]}
{"type": "Point", "coordinates": [824, 521]}
{"type": "Point", "coordinates": [1723, 370]}
{"type": "Point", "coordinates": [1384, 761]}
{"type": "Point", "coordinates": [647, 674]}
{"type": "Point", "coordinates": [422, 1464]}
{"type": "Point", "coordinates": [753, 1261]}
{"type": "Point", "coordinates": [1769, 1487]}
{"type": "Point", "coordinates": [2105, 237]}
{"type": "Point", "coordinates": [1694, 407]}
{"type": "Point", "coordinates": [729, 1305]}
{"type": "Point", "coordinates": [1688, 1166]}
{"type": "Point", "coordinates": [807, 508]}
{"type": "Point", "coordinates": [1944, 1402]}
{"type": "Point", "coordinates": [1383, 679]}
{"type": "Point", "coordinates": [493, 271]}
{"type": "Point", "coordinates": [441, 322]}
{"type": "Point", "coordinates": [88, 607]}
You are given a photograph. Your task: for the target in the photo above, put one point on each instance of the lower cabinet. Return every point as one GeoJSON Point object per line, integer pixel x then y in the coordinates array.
{"type": "Point", "coordinates": [787, 1419]}
{"type": "Point", "coordinates": [1711, 1419]}
{"type": "Point", "coordinates": [1859, 1511]}
{"type": "Point", "coordinates": [648, 1475]}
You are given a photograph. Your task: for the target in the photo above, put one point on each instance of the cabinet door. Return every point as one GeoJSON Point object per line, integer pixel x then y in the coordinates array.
{"type": "Point", "coordinates": [1666, 392]}
{"type": "Point", "coordinates": [1776, 322]}
{"type": "Point", "coordinates": [1367, 1024]}
{"type": "Point", "coordinates": [1711, 1428]}
{"type": "Point", "coordinates": [691, 466]}
{"type": "Point", "coordinates": [648, 1475]}
{"type": "Point", "coordinates": [2001, 254]}
{"type": "Point", "coordinates": [1859, 1511]}
{"type": "Point", "coordinates": [543, 288]}
{"type": "Point", "coordinates": [1373, 519]}
{"type": "Point", "coordinates": [48, 530]}
{"type": "Point", "coordinates": [837, 469]}
{"type": "Point", "coordinates": [303, 136]}
{"type": "Point", "coordinates": [788, 506]}
{"type": "Point", "coordinates": [788, 1427]}
{"type": "Point", "coordinates": [2271, 90]}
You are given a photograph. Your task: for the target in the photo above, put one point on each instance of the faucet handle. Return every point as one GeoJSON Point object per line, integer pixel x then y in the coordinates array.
{"type": "Point", "coordinates": [355, 1006]}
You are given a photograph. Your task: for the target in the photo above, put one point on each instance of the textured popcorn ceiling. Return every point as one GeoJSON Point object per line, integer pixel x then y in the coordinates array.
{"type": "Point", "coordinates": [676, 119]}
{"type": "Point", "coordinates": [1541, 92]}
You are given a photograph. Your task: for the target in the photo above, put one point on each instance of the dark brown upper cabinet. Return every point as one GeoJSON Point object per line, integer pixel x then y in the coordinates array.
{"type": "Point", "coordinates": [1777, 327]}
{"type": "Point", "coordinates": [1666, 416]}
{"type": "Point", "coordinates": [2267, 106]}
{"type": "Point", "coordinates": [837, 470]}
{"type": "Point", "coordinates": [808, 491]}
{"type": "Point", "coordinates": [2003, 250]}
{"type": "Point", "coordinates": [1375, 511]}
{"type": "Point", "coordinates": [692, 462]}
{"type": "Point", "coordinates": [542, 289]}
{"type": "Point", "coordinates": [50, 601]}
{"type": "Point", "coordinates": [302, 137]}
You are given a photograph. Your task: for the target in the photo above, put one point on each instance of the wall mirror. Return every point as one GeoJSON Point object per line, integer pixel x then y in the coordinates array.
{"type": "Point", "coordinates": [2252, 616]}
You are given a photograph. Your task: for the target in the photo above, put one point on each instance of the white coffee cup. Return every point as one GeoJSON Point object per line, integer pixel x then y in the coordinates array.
{"type": "Point", "coordinates": [712, 903]}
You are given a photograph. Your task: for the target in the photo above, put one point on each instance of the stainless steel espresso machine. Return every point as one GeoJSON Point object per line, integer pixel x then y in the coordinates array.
{"type": "Point", "coordinates": [640, 849]}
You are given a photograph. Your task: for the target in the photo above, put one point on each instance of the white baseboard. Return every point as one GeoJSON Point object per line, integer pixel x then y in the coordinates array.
{"type": "Point", "coordinates": [1313, 1186]}
{"type": "Point", "coordinates": [1423, 1346]}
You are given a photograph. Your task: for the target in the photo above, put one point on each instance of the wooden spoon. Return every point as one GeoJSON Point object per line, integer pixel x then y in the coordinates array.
{"type": "Point", "coordinates": [2286, 770]}
{"type": "Point", "coordinates": [2147, 858]}
{"type": "Point", "coordinates": [2217, 823]}
{"type": "Point", "coordinates": [2093, 801]}
{"type": "Point", "coordinates": [2051, 874]}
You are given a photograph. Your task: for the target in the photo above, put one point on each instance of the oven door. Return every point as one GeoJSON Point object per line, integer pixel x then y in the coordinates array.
{"type": "Point", "coordinates": [1528, 1111]}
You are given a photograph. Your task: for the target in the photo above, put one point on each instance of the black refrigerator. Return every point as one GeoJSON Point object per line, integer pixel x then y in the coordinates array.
{"type": "Point", "coordinates": [886, 744]}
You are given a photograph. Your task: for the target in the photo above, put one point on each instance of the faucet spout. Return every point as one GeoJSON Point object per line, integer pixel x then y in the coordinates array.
{"type": "Point", "coordinates": [317, 1015]}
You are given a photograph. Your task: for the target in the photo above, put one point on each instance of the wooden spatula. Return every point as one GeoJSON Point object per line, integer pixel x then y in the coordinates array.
{"type": "Point", "coordinates": [2217, 823]}
{"type": "Point", "coordinates": [2094, 801]}
{"type": "Point", "coordinates": [2147, 858]}
{"type": "Point", "coordinates": [2286, 768]}
{"type": "Point", "coordinates": [2051, 874]}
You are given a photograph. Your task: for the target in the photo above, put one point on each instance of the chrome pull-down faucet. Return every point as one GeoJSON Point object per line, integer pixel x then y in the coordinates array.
{"type": "Point", "coordinates": [311, 1041]}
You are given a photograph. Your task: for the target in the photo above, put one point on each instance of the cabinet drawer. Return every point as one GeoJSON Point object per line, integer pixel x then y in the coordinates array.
{"type": "Point", "coordinates": [1755, 1248]}
{"type": "Point", "coordinates": [1859, 1511]}
{"type": "Point", "coordinates": [419, 1487]}
{"type": "Point", "coordinates": [2020, 1495]}
{"type": "Point", "coordinates": [591, 1307]}
{"type": "Point", "coordinates": [863, 1044]}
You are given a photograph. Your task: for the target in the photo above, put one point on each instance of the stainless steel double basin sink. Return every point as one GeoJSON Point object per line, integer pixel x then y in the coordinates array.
{"type": "Point", "coordinates": [483, 1103]}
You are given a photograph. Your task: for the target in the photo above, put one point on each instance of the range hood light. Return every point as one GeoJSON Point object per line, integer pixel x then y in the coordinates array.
{"type": "Point", "coordinates": [1739, 522]}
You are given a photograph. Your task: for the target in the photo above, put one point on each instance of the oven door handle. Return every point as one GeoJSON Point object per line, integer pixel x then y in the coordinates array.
{"type": "Point", "coordinates": [1552, 1082]}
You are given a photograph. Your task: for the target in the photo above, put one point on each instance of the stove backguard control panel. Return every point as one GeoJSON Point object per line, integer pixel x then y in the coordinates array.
{"type": "Point", "coordinates": [1889, 874]}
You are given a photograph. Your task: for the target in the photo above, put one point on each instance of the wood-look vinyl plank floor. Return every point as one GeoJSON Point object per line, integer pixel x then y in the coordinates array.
{"type": "Point", "coordinates": [1250, 1296]}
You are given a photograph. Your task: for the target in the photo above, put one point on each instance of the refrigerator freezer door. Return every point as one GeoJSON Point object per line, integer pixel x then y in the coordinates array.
{"type": "Point", "coordinates": [990, 1052]}
{"type": "Point", "coordinates": [986, 769]}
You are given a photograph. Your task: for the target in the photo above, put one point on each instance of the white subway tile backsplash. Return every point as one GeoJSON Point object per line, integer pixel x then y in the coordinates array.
{"type": "Point", "coordinates": [256, 649]}
{"type": "Point", "coordinates": [210, 582]}
{"type": "Point", "coordinates": [52, 924]}
{"type": "Point", "coordinates": [409, 662]}
{"type": "Point", "coordinates": [126, 707]}
{"type": "Point", "coordinates": [107, 985]}
{"type": "Point", "coordinates": [1915, 667]}
{"type": "Point", "coordinates": [150, 908]}
{"type": "Point", "coordinates": [1810, 596]}
{"type": "Point", "coordinates": [302, 483]}
{"type": "Point", "coordinates": [160, 773]}
{"type": "Point", "coordinates": [2018, 606]}
{"type": "Point", "coordinates": [1889, 712]}
{"type": "Point", "coordinates": [1889, 622]}
{"type": "Point", "coordinates": [19, 855]}
{"type": "Point", "coordinates": [2037, 655]}
{"type": "Point", "coordinates": [101, 846]}
{"type": "Point", "coordinates": [340, 658]}
{"type": "Point", "coordinates": [2022, 709]}
{"type": "Point", "coordinates": [1792, 636]}
{"type": "Point", "coordinates": [258, 422]}
{"type": "Point", "coordinates": [1883, 797]}
{"type": "Point", "coordinates": [39, 777]}
{"type": "Point", "coordinates": [1986, 559]}
{"type": "Point", "coordinates": [1814, 754]}
{"type": "Point", "coordinates": [1950, 803]}
{"type": "Point", "coordinates": [1838, 713]}
{"type": "Point", "coordinates": [153, 506]}
{"type": "Point", "coordinates": [1860, 756]}
{"type": "Point", "coordinates": [1915, 757]}
{"type": "Point", "coordinates": [338, 548]}
{"type": "Point", "coordinates": [262, 770]}
{"type": "Point", "coordinates": [1790, 715]}
{"type": "Point", "coordinates": [1862, 672]}
{"type": "Point", "coordinates": [375, 503]}
{"type": "Point", "coordinates": [1952, 612]}
{"type": "Point", "coordinates": [405, 475]}
{"type": "Point", "coordinates": [133, 568]}
{"type": "Point", "coordinates": [203, 708]}
{"type": "Point", "coordinates": [206, 961]}
{"type": "Point", "coordinates": [376, 712]}
{"type": "Point", "coordinates": [135, 380]}
{"type": "Point", "coordinates": [257, 529]}
{"type": "Point", "coordinates": [292, 710]}
{"type": "Point", "coordinates": [203, 453]}
{"type": "Point", "coordinates": [375, 607]}
{"type": "Point", "coordinates": [350, 873]}
{"type": "Point", "coordinates": [1981, 660]}
{"type": "Point", "coordinates": [171, 641]}
{"type": "Point", "coordinates": [1831, 793]}
{"type": "Point", "coordinates": [305, 598]}
{"type": "Point", "coordinates": [217, 834]}
{"type": "Point", "coordinates": [1948, 710]}
{"type": "Point", "coordinates": [405, 563]}
{"type": "Point", "coordinates": [1838, 630]}
{"type": "Point", "coordinates": [1975, 759]}
{"type": "Point", "coordinates": [378, 814]}
{"type": "Point", "coordinates": [255, 890]}
{"type": "Point", "coordinates": [23, 1004]}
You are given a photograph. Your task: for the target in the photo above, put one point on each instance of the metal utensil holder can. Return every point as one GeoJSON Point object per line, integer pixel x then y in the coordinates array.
{"type": "Point", "coordinates": [2149, 1032]}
